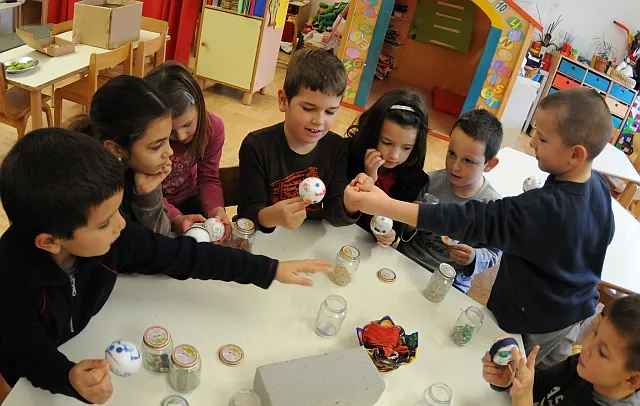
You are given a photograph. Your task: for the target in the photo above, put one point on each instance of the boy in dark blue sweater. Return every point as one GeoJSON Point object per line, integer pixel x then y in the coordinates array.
{"type": "Point", "coordinates": [67, 243]}
{"type": "Point", "coordinates": [553, 239]}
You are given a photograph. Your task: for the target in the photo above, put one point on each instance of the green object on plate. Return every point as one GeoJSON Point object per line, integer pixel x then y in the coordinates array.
{"type": "Point", "coordinates": [17, 66]}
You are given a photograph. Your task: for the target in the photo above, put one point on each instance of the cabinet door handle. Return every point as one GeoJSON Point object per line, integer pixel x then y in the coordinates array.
{"type": "Point", "coordinates": [204, 43]}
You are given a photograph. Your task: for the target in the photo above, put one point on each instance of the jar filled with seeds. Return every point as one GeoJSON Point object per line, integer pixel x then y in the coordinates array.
{"type": "Point", "coordinates": [156, 349]}
{"type": "Point", "coordinates": [467, 325]}
{"type": "Point", "coordinates": [440, 283]}
{"type": "Point", "coordinates": [243, 235]}
{"type": "Point", "coordinates": [185, 368]}
{"type": "Point", "coordinates": [345, 266]}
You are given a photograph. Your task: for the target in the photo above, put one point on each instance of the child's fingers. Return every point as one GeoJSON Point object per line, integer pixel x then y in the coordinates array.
{"type": "Point", "coordinates": [515, 354]}
{"type": "Point", "coordinates": [490, 370]}
{"type": "Point", "coordinates": [531, 360]}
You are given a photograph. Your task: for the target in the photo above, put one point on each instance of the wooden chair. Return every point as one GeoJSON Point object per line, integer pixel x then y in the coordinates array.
{"type": "Point", "coordinates": [15, 106]}
{"type": "Point", "coordinates": [229, 178]}
{"type": "Point", "coordinates": [82, 91]}
{"type": "Point", "coordinates": [153, 25]}
{"type": "Point", "coordinates": [155, 49]}
{"type": "Point", "coordinates": [61, 27]}
{"type": "Point", "coordinates": [628, 195]}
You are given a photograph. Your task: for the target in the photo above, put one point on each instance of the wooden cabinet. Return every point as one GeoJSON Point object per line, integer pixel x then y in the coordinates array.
{"type": "Point", "coordinates": [237, 50]}
{"type": "Point", "coordinates": [565, 73]}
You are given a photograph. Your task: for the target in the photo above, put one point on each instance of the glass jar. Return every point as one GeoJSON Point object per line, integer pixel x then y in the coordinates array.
{"type": "Point", "coordinates": [246, 397]}
{"type": "Point", "coordinates": [429, 199]}
{"type": "Point", "coordinates": [438, 394]}
{"type": "Point", "coordinates": [331, 316]}
{"type": "Point", "coordinates": [156, 349]}
{"type": "Point", "coordinates": [440, 283]}
{"type": "Point", "coordinates": [243, 234]}
{"type": "Point", "coordinates": [467, 325]}
{"type": "Point", "coordinates": [185, 368]}
{"type": "Point", "coordinates": [345, 266]}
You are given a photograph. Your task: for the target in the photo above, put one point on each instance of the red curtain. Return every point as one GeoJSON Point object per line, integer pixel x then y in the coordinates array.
{"type": "Point", "coordinates": [182, 16]}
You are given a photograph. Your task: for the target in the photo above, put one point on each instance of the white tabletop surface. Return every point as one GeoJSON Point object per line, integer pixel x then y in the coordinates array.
{"type": "Point", "coordinates": [277, 325]}
{"type": "Point", "coordinates": [5, 6]}
{"type": "Point", "coordinates": [615, 163]}
{"type": "Point", "coordinates": [53, 69]}
{"type": "Point", "coordinates": [622, 260]}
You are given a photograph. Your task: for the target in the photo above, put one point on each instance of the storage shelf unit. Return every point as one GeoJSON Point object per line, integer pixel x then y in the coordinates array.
{"type": "Point", "coordinates": [237, 50]}
{"type": "Point", "coordinates": [565, 73]}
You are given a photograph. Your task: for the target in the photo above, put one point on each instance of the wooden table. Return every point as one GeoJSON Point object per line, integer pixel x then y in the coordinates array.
{"type": "Point", "coordinates": [52, 70]}
{"type": "Point", "coordinates": [622, 261]}
{"type": "Point", "coordinates": [278, 324]}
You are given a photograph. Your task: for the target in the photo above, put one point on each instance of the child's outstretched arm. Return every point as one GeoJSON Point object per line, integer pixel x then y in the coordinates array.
{"type": "Point", "coordinates": [522, 389]}
{"type": "Point", "coordinates": [147, 253]}
{"type": "Point", "coordinates": [500, 223]}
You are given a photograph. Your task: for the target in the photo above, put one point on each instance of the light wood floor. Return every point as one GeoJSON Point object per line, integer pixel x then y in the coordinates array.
{"type": "Point", "coordinates": [240, 120]}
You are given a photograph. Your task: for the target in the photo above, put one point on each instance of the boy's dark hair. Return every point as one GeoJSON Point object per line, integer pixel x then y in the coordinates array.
{"type": "Point", "coordinates": [481, 125]}
{"type": "Point", "coordinates": [51, 179]}
{"type": "Point", "coordinates": [365, 134]}
{"type": "Point", "coordinates": [317, 70]}
{"type": "Point", "coordinates": [179, 89]}
{"type": "Point", "coordinates": [121, 111]}
{"type": "Point", "coordinates": [624, 315]}
{"type": "Point", "coordinates": [582, 118]}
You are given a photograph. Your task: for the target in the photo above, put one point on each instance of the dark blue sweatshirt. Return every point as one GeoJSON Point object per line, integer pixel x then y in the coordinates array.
{"type": "Point", "coordinates": [553, 240]}
{"type": "Point", "coordinates": [41, 307]}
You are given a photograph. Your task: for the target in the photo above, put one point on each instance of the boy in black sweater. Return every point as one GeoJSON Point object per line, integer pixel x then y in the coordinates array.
{"type": "Point", "coordinates": [65, 246]}
{"type": "Point", "coordinates": [606, 373]}
{"type": "Point", "coordinates": [553, 239]}
{"type": "Point", "coordinates": [274, 160]}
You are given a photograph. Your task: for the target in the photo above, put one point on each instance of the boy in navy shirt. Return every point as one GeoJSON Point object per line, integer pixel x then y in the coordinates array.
{"type": "Point", "coordinates": [553, 239]}
{"type": "Point", "coordinates": [65, 246]}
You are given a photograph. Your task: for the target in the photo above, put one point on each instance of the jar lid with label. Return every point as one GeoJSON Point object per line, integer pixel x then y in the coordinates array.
{"type": "Point", "coordinates": [350, 253]}
{"type": "Point", "coordinates": [175, 400]}
{"type": "Point", "coordinates": [157, 337]}
{"type": "Point", "coordinates": [244, 226]}
{"type": "Point", "coordinates": [231, 355]}
{"type": "Point", "coordinates": [185, 356]}
{"type": "Point", "coordinates": [447, 271]}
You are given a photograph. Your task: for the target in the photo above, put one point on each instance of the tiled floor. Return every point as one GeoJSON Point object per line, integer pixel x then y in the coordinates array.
{"type": "Point", "coordinates": [240, 120]}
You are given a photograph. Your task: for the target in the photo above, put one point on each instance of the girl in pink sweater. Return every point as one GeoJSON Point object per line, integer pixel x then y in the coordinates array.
{"type": "Point", "coordinates": [193, 186]}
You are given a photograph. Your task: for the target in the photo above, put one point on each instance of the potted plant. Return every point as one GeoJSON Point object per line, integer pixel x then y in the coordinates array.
{"type": "Point", "coordinates": [604, 53]}
{"type": "Point", "coordinates": [567, 43]}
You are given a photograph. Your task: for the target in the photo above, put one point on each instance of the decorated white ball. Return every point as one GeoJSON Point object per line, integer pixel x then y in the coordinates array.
{"type": "Point", "coordinates": [532, 182]}
{"type": "Point", "coordinates": [381, 225]}
{"type": "Point", "coordinates": [123, 357]}
{"type": "Point", "coordinates": [312, 190]}
{"type": "Point", "coordinates": [215, 228]}
{"type": "Point", "coordinates": [198, 232]}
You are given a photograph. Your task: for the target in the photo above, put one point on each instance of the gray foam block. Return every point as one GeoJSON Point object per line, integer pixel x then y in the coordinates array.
{"type": "Point", "coordinates": [342, 378]}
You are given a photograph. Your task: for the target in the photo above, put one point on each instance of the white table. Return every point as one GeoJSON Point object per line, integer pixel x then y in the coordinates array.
{"type": "Point", "coordinates": [277, 325]}
{"type": "Point", "coordinates": [616, 163]}
{"type": "Point", "coordinates": [54, 69]}
{"type": "Point", "coordinates": [622, 260]}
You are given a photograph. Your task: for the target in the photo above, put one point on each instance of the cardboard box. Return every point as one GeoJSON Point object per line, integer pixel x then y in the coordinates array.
{"type": "Point", "coordinates": [52, 46]}
{"type": "Point", "coordinates": [107, 24]}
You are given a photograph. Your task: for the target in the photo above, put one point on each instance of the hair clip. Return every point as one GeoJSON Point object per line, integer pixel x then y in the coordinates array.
{"type": "Point", "coordinates": [401, 107]}
{"type": "Point", "coordinates": [190, 98]}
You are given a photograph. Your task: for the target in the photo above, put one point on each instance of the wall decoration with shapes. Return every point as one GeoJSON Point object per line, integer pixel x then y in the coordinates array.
{"type": "Point", "coordinates": [363, 15]}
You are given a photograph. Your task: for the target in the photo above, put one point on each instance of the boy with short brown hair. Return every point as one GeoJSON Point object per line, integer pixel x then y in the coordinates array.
{"type": "Point", "coordinates": [274, 160]}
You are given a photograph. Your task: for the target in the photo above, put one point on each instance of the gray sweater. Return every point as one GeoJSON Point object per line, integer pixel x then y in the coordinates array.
{"type": "Point", "coordinates": [427, 248]}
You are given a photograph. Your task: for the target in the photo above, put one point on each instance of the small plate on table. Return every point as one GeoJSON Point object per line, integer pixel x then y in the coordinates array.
{"type": "Point", "coordinates": [20, 65]}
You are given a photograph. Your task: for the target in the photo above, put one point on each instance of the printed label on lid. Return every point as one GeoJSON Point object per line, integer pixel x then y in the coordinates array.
{"type": "Point", "coordinates": [175, 400]}
{"type": "Point", "coordinates": [156, 336]}
{"type": "Point", "coordinates": [387, 273]}
{"type": "Point", "coordinates": [185, 354]}
{"type": "Point", "coordinates": [350, 252]}
{"type": "Point", "coordinates": [231, 354]}
{"type": "Point", "coordinates": [245, 224]}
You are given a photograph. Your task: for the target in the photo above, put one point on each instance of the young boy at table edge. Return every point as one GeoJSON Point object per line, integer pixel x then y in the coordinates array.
{"type": "Point", "coordinates": [66, 244]}
{"type": "Point", "coordinates": [553, 239]}
{"type": "Point", "coordinates": [605, 373]}
{"type": "Point", "coordinates": [274, 160]}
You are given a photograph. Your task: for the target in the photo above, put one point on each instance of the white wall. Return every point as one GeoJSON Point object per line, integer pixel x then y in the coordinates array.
{"type": "Point", "coordinates": [589, 19]}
